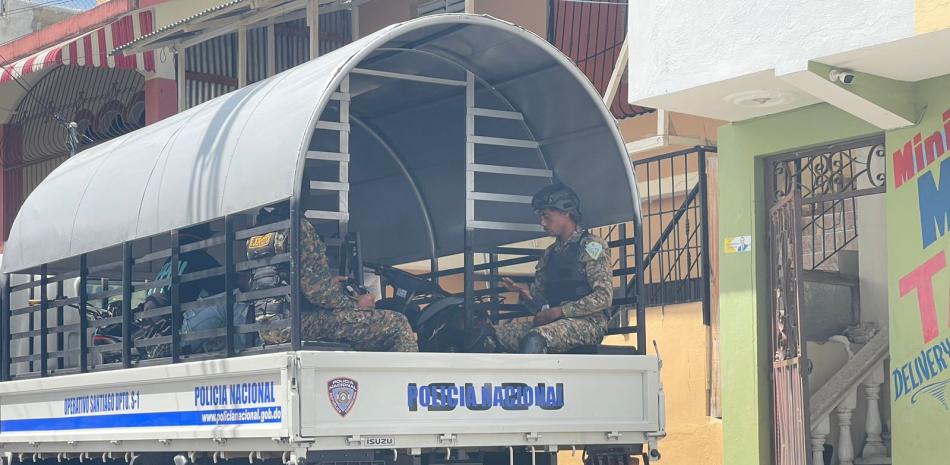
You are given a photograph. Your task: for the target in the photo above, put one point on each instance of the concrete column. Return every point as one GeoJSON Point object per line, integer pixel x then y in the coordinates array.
{"type": "Point", "coordinates": [181, 78]}
{"type": "Point", "coordinates": [355, 18]}
{"type": "Point", "coordinates": [161, 99]}
{"type": "Point", "coordinates": [242, 56]}
{"type": "Point", "coordinates": [845, 411]}
{"type": "Point", "coordinates": [161, 90]}
{"type": "Point", "coordinates": [818, 437]}
{"type": "Point", "coordinates": [874, 444]}
{"type": "Point", "coordinates": [313, 22]}
{"type": "Point", "coordinates": [271, 50]}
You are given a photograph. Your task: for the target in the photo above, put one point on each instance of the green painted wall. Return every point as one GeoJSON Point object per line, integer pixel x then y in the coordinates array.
{"type": "Point", "coordinates": [743, 290]}
{"type": "Point", "coordinates": [896, 96]}
{"type": "Point", "coordinates": [918, 268]}
{"type": "Point", "coordinates": [920, 352]}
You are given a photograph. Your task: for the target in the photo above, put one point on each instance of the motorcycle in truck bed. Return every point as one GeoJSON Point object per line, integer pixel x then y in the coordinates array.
{"type": "Point", "coordinates": [421, 141]}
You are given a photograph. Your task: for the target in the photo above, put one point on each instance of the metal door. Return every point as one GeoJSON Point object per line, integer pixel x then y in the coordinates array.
{"type": "Point", "coordinates": [789, 392]}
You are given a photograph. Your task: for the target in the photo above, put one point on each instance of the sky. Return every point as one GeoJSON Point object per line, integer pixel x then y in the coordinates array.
{"type": "Point", "coordinates": [19, 7]}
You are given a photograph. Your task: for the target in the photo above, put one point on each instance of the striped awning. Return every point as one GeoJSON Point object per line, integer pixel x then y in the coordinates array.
{"type": "Point", "coordinates": [93, 49]}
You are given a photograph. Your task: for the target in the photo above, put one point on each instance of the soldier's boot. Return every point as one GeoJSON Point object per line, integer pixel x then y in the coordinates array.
{"type": "Point", "coordinates": [533, 343]}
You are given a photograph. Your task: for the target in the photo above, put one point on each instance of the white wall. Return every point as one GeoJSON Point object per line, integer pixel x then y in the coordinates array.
{"type": "Point", "coordinates": [872, 258]}
{"type": "Point", "coordinates": [15, 25]}
{"type": "Point", "coordinates": [23, 18]}
{"type": "Point", "coordinates": [677, 45]}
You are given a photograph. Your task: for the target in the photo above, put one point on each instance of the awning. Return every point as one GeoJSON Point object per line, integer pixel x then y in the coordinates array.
{"type": "Point", "coordinates": [407, 149]}
{"type": "Point", "coordinates": [92, 49]}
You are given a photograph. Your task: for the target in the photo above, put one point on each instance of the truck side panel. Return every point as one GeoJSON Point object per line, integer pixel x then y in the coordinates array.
{"type": "Point", "coordinates": [438, 400]}
{"type": "Point", "coordinates": [296, 402]}
{"type": "Point", "coordinates": [233, 398]}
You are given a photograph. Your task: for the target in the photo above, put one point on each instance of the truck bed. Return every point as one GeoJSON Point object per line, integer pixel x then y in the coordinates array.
{"type": "Point", "coordinates": [294, 402]}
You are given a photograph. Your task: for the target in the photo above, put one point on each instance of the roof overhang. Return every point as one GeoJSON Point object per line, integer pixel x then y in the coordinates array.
{"type": "Point", "coordinates": [772, 91]}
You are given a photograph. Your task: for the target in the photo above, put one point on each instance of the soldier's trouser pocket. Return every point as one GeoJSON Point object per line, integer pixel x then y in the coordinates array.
{"type": "Point", "coordinates": [379, 330]}
{"type": "Point", "coordinates": [568, 333]}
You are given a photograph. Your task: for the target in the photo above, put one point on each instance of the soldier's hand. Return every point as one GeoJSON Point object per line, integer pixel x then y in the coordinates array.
{"type": "Point", "coordinates": [522, 289]}
{"type": "Point", "coordinates": [367, 301]}
{"type": "Point", "coordinates": [337, 279]}
{"type": "Point", "coordinates": [548, 316]}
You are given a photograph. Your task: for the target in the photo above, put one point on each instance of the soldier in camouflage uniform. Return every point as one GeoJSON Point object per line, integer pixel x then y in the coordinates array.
{"type": "Point", "coordinates": [573, 280]}
{"type": "Point", "coordinates": [341, 317]}
{"type": "Point", "coordinates": [332, 314]}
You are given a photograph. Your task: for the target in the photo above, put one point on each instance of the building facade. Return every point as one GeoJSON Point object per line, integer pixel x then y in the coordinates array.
{"type": "Point", "coordinates": [130, 63]}
{"type": "Point", "coordinates": [835, 313]}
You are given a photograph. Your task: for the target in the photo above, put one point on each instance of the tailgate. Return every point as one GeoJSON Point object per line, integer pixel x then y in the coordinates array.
{"type": "Point", "coordinates": [442, 400]}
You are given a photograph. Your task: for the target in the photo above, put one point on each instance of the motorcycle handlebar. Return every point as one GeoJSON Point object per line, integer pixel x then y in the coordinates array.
{"type": "Point", "coordinates": [392, 273]}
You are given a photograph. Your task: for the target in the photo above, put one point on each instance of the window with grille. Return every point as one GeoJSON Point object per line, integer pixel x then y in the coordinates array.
{"type": "Point", "coordinates": [441, 6]}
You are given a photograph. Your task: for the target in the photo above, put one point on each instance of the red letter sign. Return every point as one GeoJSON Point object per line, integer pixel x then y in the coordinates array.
{"type": "Point", "coordinates": [922, 280]}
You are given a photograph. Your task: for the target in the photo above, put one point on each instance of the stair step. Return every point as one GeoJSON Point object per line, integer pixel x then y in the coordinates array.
{"type": "Point", "coordinates": [872, 461]}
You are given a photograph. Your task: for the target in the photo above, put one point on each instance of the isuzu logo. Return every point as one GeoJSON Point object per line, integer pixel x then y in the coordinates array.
{"type": "Point", "coordinates": [380, 441]}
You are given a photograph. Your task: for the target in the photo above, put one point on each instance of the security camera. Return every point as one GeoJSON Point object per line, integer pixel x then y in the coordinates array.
{"type": "Point", "coordinates": [844, 77]}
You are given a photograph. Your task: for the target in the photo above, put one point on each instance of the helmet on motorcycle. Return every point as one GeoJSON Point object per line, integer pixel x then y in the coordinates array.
{"type": "Point", "coordinates": [273, 214]}
{"type": "Point", "coordinates": [198, 232]}
{"type": "Point", "coordinates": [559, 197]}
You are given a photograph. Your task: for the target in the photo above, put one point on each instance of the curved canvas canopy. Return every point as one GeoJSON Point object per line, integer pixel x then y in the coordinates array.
{"type": "Point", "coordinates": [407, 142]}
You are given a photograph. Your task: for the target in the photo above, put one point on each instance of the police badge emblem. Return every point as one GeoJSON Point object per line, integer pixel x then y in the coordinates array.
{"type": "Point", "coordinates": [342, 392]}
{"type": "Point", "coordinates": [594, 249]}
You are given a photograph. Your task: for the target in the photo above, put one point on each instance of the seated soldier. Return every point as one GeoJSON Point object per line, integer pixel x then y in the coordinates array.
{"type": "Point", "coordinates": [332, 314]}
{"type": "Point", "coordinates": [572, 285]}
{"type": "Point", "coordinates": [339, 317]}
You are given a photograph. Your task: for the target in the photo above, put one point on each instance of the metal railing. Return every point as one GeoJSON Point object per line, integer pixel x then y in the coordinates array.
{"type": "Point", "coordinates": [672, 247]}
{"type": "Point", "coordinates": [79, 341]}
{"type": "Point", "coordinates": [829, 180]}
{"type": "Point", "coordinates": [673, 269]}
{"type": "Point", "coordinates": [674, 208]}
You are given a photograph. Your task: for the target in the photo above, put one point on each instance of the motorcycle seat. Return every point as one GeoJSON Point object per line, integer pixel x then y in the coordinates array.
{"type": "Point", "coordinates": [325, 346]}
{"type": "Point", "coordinates": [603, 349]}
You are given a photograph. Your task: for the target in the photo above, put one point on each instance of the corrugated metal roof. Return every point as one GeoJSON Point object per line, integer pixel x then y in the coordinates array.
{"type": "Point", "coordinates": [181, 22]}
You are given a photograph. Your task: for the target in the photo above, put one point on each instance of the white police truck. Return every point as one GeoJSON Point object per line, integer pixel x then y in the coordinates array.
{"type": "Point", "coordinates": [420, 141]}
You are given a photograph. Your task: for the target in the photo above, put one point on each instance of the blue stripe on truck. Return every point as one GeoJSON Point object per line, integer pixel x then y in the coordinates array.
{"type": "Point", "coordinates": [241, 416]}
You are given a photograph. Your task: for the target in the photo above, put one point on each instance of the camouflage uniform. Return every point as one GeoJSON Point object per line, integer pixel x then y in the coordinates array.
{"type": "Point", "coordinates": [337, 317]}
{"type": "Point", "coordinates": [584, 322]}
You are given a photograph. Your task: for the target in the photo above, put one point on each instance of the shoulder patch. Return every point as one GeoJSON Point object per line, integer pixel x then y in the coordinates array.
{"type": "Point", "coordinates": [594, 249]}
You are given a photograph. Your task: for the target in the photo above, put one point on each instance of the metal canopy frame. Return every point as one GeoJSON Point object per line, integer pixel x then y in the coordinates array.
{"type": "Point", "coordinates": [490, 99]}
{"type": "Point", "coordinates": [272, 111]}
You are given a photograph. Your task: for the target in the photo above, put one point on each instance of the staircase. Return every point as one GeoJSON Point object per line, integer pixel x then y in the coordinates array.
{"type": "Point", "coordinates": [666, 261]}
{"type": "Point", "coordinates": [834, 404]}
